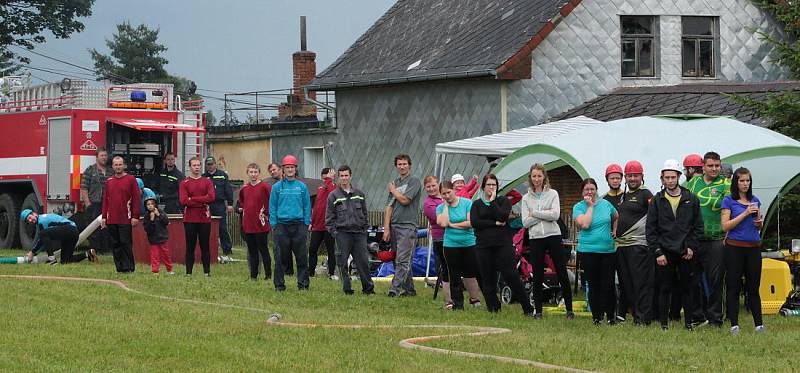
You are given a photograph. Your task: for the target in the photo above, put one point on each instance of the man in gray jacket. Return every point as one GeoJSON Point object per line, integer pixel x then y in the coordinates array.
{"type": "Point", "coordinates": [346, 220]}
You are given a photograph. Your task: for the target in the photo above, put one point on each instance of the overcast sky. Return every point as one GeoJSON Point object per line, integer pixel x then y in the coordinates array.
{"type": "Point", "coordinates": [228, 46]}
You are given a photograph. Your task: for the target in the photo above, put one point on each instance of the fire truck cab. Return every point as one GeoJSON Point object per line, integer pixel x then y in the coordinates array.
{"type": "Point", "coordinates": [49, 134]}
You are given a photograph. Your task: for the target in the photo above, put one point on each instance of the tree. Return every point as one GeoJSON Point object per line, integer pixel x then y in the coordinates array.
{"type": "Point", "coordinates": [783, 109]}
{"type": "Point", "coordinates": [24, 21]}
{"type": "Point", "coordinates": [136, 57]}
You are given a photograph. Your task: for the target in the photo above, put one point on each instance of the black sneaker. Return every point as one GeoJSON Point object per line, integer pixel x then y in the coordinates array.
{"type": "Point", "coordinates": [368, 292]}
{"type": "Point", "coordinates": [392, 294]}
{"type": "Point", "coordinates": [570, 315]}
{"type": "Point", "coordinates": [537, 316]}
{"type": "Point", "coordinates": [698, 324]}
{"type": "Point", "coordinates": [689, 327]}
{"type": "Point", "coordinates": [596, 322]}
{"type": "Point", "coordinates": [349, 292]}
{"type": "Point", "coordinates": [620, 319]}
{"type": "Point", "coordinates": [408, 294]}
{"type": "Point", "coordinates": [664, 327]}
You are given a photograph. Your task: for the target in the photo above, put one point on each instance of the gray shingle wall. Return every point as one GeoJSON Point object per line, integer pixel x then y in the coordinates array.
{"type": "Point", "coordinates": [375, 124]}
{"type": "Point", "coordinates": [580, 59]}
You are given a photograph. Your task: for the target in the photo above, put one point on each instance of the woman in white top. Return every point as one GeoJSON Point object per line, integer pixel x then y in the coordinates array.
{"type": "Point", "coordinates": [541, 209]}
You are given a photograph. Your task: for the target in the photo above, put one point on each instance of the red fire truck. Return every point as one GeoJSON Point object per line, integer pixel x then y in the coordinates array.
{"type": "Point", "coordinates": [50, 133]}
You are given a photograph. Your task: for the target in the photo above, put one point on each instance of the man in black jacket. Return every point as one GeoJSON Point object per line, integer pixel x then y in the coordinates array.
{"type": "Point", "coordinates": [168, 180]}
{"type": "Point", "coordinates": [674, 227]}
{"type": "Point", "coordinates": [346, 220]}
{"type": "Point", "coordinates": [223, 204]}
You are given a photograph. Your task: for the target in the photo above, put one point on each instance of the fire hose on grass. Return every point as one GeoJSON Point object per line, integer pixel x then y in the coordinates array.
{"type": "Point", "coordinates": [274, 319]}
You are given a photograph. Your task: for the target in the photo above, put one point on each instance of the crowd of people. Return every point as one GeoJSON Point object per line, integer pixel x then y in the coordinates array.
{"type": "Point", "coordinates": [669, 251]}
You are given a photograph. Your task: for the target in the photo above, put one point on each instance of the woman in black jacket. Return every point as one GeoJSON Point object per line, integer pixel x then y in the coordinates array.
{"type": "Point", "coordinates": [489, 216]}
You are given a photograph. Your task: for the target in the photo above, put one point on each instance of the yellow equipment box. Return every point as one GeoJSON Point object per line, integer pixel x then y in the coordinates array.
{"type": "Point", "coordinates": [776, 284]}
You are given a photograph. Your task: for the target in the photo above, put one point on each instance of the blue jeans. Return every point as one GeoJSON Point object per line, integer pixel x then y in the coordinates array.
{"type": "Point", "coordinates": [291, 237]}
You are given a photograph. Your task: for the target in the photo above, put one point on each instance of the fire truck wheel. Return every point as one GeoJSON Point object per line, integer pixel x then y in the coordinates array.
{"type": "Point", "coordinates": [9, 221]}
{"type": "Point", "coordinates": [27, 232]}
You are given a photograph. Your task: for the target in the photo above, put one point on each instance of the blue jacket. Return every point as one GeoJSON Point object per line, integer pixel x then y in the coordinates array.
{"type": "Point", "coordinates": [47, 221]}
{"type": "Point", "coordinates": [289, 202]}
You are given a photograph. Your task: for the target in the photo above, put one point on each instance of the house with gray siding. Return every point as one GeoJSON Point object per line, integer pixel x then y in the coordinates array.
{"type": "Point", "coordinates": [435, 71]}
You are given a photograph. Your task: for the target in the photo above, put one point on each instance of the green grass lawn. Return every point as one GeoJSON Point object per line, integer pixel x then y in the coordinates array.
{"type": "Point", "coordinates": [70, 326]}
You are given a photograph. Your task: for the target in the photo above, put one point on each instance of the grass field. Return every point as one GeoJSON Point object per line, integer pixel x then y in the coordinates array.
{"type": "Point", "coordinates": [69, 326]}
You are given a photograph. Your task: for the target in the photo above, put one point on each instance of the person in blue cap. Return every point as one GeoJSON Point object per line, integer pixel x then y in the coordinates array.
{"type": "Point", "coordinates": [147, 193]}
{"type": "Point", "coordinates": [55, 231]}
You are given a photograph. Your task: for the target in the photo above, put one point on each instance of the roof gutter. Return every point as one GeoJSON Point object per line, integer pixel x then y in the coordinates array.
{"type": "Point", "coordinates": [409, 79]}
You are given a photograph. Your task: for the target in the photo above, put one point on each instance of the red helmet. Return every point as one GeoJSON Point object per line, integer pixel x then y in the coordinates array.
{"type": "Point", "coordinates": [386, 256]}
{"type": "Point", "coordinates": [633, 167]}
{"type": "Point", "coordinates": [693, 160]}
{"type": "Point", "coordinates": [289, 160]}
{"type": "Point", "coordinates": [613, 168]}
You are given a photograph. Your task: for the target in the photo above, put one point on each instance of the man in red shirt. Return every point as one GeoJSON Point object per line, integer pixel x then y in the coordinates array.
{"type": "Point", "coordinates": [254, 202]}
{"type": "Point", "coordinates": [120, 211]}
{"type": "Point", "coordinates": [318, 232]}
{"type": "Point", "coordinates": [196, 193]}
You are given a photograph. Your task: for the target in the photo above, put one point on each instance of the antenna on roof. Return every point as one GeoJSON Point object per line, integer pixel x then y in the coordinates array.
{"type": "Point", "coordinates": [303, 33]}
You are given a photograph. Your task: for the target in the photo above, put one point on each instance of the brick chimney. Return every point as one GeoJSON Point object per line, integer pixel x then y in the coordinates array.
{"type": "Point", "coordinates": [304, 65]}
{"type": "Point", "coordinates": [304, 69]}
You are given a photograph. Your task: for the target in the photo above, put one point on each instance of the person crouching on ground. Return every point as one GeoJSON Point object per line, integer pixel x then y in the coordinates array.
{"type": "Point", "coordinates": [155, 224]}
{"type": "Point", "coordinates": [55, 231]}
{"type": "Point", "coordinates": [346, 219]}
{"type": "Point", "coordinates": [254, 202]}
{"type": "Point", "coordinates": [459, 245]}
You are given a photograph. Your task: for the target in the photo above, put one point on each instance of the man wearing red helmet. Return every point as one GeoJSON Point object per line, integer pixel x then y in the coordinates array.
{"type": "Point", "coordinates": [290, 215]}
{"type": "Point", "coordinates": [614, 180]}
{"type": "Point", "coordinates": [710, 188]}
{"type": "Point", "coordinates": [692, 166]}
{"type": "Point", "coordinates": [636, 263]}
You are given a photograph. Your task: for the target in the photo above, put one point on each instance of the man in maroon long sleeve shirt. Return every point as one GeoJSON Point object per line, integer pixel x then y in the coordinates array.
{"type": "Point", "coordinates": [196, 193]}
{"type": "Point", "coordinates": [319, 234]}
{"type": "Point", "coordinates": [121, 202]}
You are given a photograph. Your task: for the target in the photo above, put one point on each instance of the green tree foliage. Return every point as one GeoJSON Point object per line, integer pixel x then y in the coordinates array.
{"type": "Point", "coordinates": [22, 22]}
{"type": "Point", "coordinates": [136, 57]}
{"type": "Point", "coordinates": [783, 109]}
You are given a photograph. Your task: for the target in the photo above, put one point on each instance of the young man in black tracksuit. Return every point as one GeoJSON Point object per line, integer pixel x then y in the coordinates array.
{"type": "Point", "coordinates": [674, 227]}
{"type": "Point", "coordinates": [346, 220]}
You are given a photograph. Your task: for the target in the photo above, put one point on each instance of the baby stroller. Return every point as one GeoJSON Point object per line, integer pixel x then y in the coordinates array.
{"type": "Point", "coordinates": [378, 250]}
{"type": "Point", "coordinates": [551, 289]}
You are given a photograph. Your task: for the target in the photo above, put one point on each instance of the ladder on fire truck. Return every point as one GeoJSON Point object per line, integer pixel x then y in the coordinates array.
{"type": "Point", "coordinates": [193, 144]}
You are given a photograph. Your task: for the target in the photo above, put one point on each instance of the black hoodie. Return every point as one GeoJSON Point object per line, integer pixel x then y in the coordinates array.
{"type": "Point", "coordinates": [156, 228]}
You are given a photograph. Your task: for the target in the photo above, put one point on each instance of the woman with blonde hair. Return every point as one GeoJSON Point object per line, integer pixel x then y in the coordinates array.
{"type": "Point", "coordinates": [540, 211]}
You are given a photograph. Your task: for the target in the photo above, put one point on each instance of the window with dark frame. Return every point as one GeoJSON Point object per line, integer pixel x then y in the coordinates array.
{"type": "Point", "coordinates": [638, 46]}
{"type": "Point", "coordinates": [698, 46]}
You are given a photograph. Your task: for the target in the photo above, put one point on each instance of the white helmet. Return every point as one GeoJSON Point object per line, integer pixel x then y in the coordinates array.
{"type": "Point", "coordinates": [457, 177]}
{"type": "Point", "coordinates": [672, 165]}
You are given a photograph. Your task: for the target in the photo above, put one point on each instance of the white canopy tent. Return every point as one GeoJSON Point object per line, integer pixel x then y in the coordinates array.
{"type": "Point", "coordinates": [588, 146]}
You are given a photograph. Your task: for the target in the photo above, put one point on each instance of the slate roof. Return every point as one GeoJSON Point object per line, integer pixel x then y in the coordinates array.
{"type": "Point", "coordinates": [708, 99]}
{"type": "Point", "coordinates": [449, 38]}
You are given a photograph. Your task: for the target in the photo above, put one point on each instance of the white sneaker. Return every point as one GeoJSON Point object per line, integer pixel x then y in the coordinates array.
{"type": "Point", "coordinates": [761, 329]}
{"type": "Point", "coordinates": [334, 277]}
{"type": "Point", "coordinates": [170, 273]}
{"type": "Point", "coordinates": [735, 330]}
